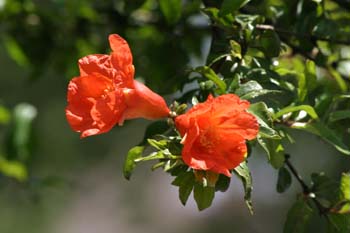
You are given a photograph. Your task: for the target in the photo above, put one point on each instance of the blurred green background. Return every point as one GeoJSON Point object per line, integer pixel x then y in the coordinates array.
{"type": "Point", "coordinates": [76, 185]}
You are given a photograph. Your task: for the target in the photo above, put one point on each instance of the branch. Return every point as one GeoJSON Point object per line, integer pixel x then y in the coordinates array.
{"type": "Point", "coordinates": [306, 189]}
{"type": "Point", "coordinates": [301, 35]}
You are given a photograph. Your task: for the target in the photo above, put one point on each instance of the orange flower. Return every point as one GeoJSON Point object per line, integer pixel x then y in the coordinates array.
{"type": "Point", "coordinates": [106, 93]}
{"type": "Point", "coordinates": [214, 133]}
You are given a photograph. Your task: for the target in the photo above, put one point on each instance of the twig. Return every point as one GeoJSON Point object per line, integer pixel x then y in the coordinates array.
{"type": "Point", "coordinates": [301, 35]}
{"type": "Point", "coordinates": [306, 189]}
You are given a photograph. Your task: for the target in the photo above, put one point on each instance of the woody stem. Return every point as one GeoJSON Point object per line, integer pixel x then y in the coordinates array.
{"type": "Point", "coordinates": [306, 189]}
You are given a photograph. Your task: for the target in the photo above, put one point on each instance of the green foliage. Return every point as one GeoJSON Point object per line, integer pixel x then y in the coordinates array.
{"type": "Point", "coordinates": [284, 180]}
{"type": "Point", "coordinates": [171, 10]}
{"type": "Point", "coordinates": [298, 217]}
{"type": "Point", "coordinates": [242, 171]}
{"type": "Point", "coordinates": [130, 164]}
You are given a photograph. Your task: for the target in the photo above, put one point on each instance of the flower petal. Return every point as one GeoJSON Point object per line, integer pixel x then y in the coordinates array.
{"type": "Point", "coordinates": [143, 102]}
{"type": "Point", "coordinates": [94, 107]}
{"type": "Point", "coordinates": [96, 63]}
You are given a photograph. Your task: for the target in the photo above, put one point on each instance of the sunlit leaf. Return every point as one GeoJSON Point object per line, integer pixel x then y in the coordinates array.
{"type": "Point", "coordinates": [130, 164]}
{"type": "Point", "coordinates": [274, 151]}
{"type": "Point", "coordinates": [211, 75]}
{"type": "Point", "coordinates": [13, 169]}
{"type": "Point", "coordinates": [307, 108]}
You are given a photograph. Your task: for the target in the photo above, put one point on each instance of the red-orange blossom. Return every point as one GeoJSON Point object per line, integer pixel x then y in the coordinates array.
{"type": "Point", "coordinates": [106, 93]}
{"type": "Point", "coordinates": [215, 133]}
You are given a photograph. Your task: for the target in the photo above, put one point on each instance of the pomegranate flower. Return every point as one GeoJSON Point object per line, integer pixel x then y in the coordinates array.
{"type": "Point", "coordinates": [105, 93]}
{"type": "Point", "coordinates": [215, 133]}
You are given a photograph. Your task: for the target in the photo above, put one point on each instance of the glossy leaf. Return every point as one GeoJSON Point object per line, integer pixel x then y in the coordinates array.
{"type": "Point", "coordinates": [130, 164]}
{"type": "Point", "coordinates": [211, 75]}
{"type": "Point", "coordinates": [261, 112]}
{"type": "Point", "coordinates": [325, 133]}
{"type": "Point", "coordinates": [307, 108]}
{"type": "Point", "coordinates": [242, 171]}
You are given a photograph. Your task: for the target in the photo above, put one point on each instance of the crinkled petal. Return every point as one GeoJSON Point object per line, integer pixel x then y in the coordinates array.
{"type": "Point", "coordinates": [94, 107]}
{"type": "Point", "coordinates": [96, 63]}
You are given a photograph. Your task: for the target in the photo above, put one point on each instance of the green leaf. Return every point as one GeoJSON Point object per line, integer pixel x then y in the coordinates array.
{"type": "Point", "coordinates": [261, 112]}
{"type": "Point", "coordinates": [223, 183]}
{"type": "Point", "coordinates": [339, 115]}
{"type": "Point", "coordinates": [345, 186]}
{"type": "Point", "coordinates": [160, 145]}
{"type": "Point", "coordinates": [338, 78]}
{"type": "Point", "coordinates": [203, 195]}
{"type": "Point", "coordinates": [248, 87]}
{"type": "Point", "coordinates": [307, 108]}
{"type": "Point", "coordinates": [298, 217]}
{"type": "Point", "coordinates": [236, 50]}
{"type": "Point", "coordinates": [21, 133]}
{"type": "Point", "coordinates": [325, 133]}
{"type": "Point", "coordinates": [13, 169]}
{"type": "Point", "coordinates": [242, 171]}
{"type": "Point", "coordinates": [130, 164]}
{"type": "Point", "coordinates": [4, 115]}
{"type": "Point", "coordinates": [325, 188]}
{"type": "Point", "coordinates": [15, 51]}
{"type": "Point", "coordinates": [211, 75]}
{"type": "Point", "coordinates": [171, 10]}
{"type": "Point", "coordinates": [270, 43]}
{"type": "Point", "coordinates": [284, 180]}
{"type": "Point", "coordinates": [338, 223]}
{"type": "Point", "coordinates": [185, 181]}
{"type": "Point", "coordinates": [274, 151]}
{"type": "Point", "coordinates": [230, 6]}
{"type": "Point", "coordinates": [310, 75]}
{"type": "Point", "coordinates": [157, 127]}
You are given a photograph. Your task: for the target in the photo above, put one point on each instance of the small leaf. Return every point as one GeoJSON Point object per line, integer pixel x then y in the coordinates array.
{"type": "Point", "coordinates": [284, 180]}
{"type": "Point", "coordinates": [171, 10]}
{"type": "Point", "coordinates": [157, 127]}
{"type": "Point", "coordinates": [345, 186]}
{"type": "Point", "coordinates": [185, 181]}
{"type": "Point", "coordinates": [203, 195]}
{"type": "Point", "coordinates": [338, 223]}
{"type": "Point", "coordinates": [230, 6]}
{"type": "Point", "coordinates": [261, 112]}
{"type": "Point", "coordinates": [298, 217]}
{"type": "Point", "coordinates": [244, 174]}
{"type": "Point", "coordinates": [130, 164]}
{"type": "Point", "coordinates": [339, 115]}
{"type": "Point", "coordinates": [274, 151]}
{"type": "Point", "coordinates": [270, 43]}
{"type": "Point", "coordinates": [310, 75]}
{"type": "Point", "coordinates": [160, 145]}
{"type": "Point", "coordinates": [4, 115]}
{"type": "Point", "coordinates": [13, 169]}
{"type": "Point", "coordinates": [211, 75]}
{"type": "Point", "coordinates": [236, 50]}
{"type": "Point", "coordinates": [223, 183]}
{"type": "Point", "coordinates": [248, 87]}
{"type": "Point", "coordinates": [307, 108]}
{"type": "Point", "coordinates": [325, 133]}
{"type": "Point", "coordinates": [324, 187]}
